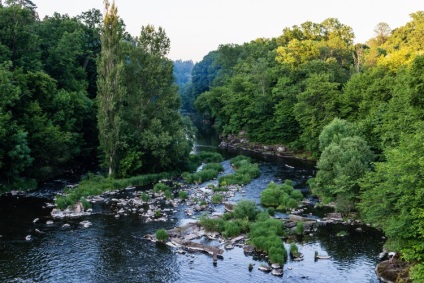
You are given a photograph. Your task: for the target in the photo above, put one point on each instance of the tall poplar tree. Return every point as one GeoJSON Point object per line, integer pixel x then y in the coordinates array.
{"type": "Point", "coordinates": [110, 89]}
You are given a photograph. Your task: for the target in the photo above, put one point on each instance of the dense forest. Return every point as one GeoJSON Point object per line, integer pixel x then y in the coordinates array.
{"type": "Point", "coordinates": [55, 75]}
{"type": "Point", "coordinates": [77, 91]}
{"type": "Point", "coordinates": [356, 108]}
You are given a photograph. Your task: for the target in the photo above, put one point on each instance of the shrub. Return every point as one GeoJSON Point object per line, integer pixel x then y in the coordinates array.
{"type": "Point", "coordinates": [217, 198]}
{"type": "Point", "coordinates": [85, 203]}
{"type": "Point", "coordinates": [161, 187]}
{"type": "Point", "coordinates": [168, 195]}
{"type": "Point", "coordinates": [294, 250]}
{"type": "Point", "coordinates": [227, 216]}
{"type": "Point", "coordinates": [92, 185]}
{"type": "Point", "coordinates": [245, 172]}
{"type": "Point", "coordinates": [61, 203]}
{"type": "Point", "coordinates": [162, 235]}
{"type": "Point", "coordinates": [282, 196]}
{"type": "Point", "coordinates": [183, 195]}
{"type": "Point", "coordinates": [144, 197]}
{"type": "Point", "coordinates": [300, 228]}
{"type": "Point", "coordinates": [271, 211]}
{"type": "Point", "coordinates": [232, 229]}
{"type": "Point", "coordinates": [246, 209]}
{"type": "Point", "coordinates": [212, 224]}
{"type": "Point", "coordinates": [213, 166]}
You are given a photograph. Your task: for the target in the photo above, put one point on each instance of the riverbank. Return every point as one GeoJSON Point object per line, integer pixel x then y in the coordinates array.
{"type": "Point", "coordinates": [241, 142]}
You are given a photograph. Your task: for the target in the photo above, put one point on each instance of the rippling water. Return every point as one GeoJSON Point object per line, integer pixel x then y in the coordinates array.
{"type": "Point", "coordinates": [111, 250]}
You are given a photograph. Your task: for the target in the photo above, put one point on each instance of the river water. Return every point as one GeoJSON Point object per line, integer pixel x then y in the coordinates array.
{"type": "Point", "coordinates": [111, 250]}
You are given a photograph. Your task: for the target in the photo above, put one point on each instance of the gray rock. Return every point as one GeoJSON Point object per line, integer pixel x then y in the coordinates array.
{"type": "Point", "coordinates": [86, 223]}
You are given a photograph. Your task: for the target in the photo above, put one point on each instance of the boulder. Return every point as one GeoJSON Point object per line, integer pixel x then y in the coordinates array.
{"type": "Point", "coordinates": [277, 272]}
{"type": "Point", "coordinates": [49, 222]}
{"type": "Point", "coordinates": [264, 268]}
{"type": "Point", "coordinates": [281, 149]}
{"type": "Point", "coordinates": [86, 223]}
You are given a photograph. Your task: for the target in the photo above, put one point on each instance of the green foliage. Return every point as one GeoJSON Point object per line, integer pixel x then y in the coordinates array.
{"type": "Point", "coordinates": [162, 235]}
{"type": "Point", "coordinates": [85, 203]}
{"type": "Point", "coordinates": [340, 167]}
{"type": "Point", "coordinates": [209, 171]}
{"type": "Point", "coordinates": [217, 198]}
{"type": "Point", "coordinates": [300, 228]}
{"type": "Point", "coordinates": [212, 224]}
{"type": "Point", "coordinates": [231, 229]}
{"type": "Point", "coordinates": [144, 197]}
{"type": "Point", "coordinates": [94, 185]}
{"type": "Point", "coordinates": [281, 197]}
{"type": "Point", "coordinates": [391, 198]}
{"type": "Point", "coordinates": [182, 195]}
{"type": "Point", "coordinates": [161, 187]}
{"type": "Point", "coordinates": [246, 209]}
{"type": "Point", "coordinates": [294, 250]}
{"type": "Point", "coordinates": [245, 172]}
{"type": "Point", "coordinates": [271, 211]}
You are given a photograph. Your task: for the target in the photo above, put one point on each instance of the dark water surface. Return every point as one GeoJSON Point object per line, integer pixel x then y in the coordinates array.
{"type": "Point", "coordinates": [111, 250]}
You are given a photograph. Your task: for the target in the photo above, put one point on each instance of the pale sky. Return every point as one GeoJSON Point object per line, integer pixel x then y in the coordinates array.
{"type": "Point", "coordinates": [196, 27]}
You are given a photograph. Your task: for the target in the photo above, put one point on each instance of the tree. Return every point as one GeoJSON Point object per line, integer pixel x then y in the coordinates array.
{"type": "Point", "coordinates": [392, 196]}
{"type": "Point", "coordinates": [110, 88]}
{"type": "Point", "coordinates": [340, 167]}
{"type": "Point", "coordinates": [382, 32]}
{"type": "Point", "coordinates": [155, 133]}
{"type": "Point", "coordinates": [316, 107]}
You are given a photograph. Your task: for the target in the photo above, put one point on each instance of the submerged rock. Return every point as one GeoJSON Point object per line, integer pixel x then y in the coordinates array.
{"type": "Point", "coordinates": [264, 268]}
{"type": "Point", "coordinates": [86, 223]}
{"type": "Point", "coordinates": [277, 272]}
{"type": "Point", "coordinates": [28, 238]}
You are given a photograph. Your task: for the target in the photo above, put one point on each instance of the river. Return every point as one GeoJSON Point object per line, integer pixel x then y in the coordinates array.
{"type": "Point", "coordinates": [111, 250]}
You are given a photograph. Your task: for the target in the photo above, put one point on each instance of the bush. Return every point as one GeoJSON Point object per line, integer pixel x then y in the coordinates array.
{"type": "Point", "coordinates": [246, 209]}
{"type": "Point", "coordinates": [217, 198]}
{"type": "Point", "coordinates": [212, 224]}
{"type": "Point", "coordinates": [300, 228]}
{"type": "Point", "coordinates": [92, 185]}
{"type": "Point", "coordinates": [282, 196]}
{"type": "Point", "coordinates": [85, 203]}
{"type": "Point", "coordinates": [294, 250]}
{"type": "Point", "coordinates": [232, 229]}
{"type": "Point", "coordinates": [162, 235]}
{"type": "Point", "coordinates": [245, 172]}
{"type": "Point", "coordinates": [168, 195]}
{"type": "Point", "coordinates": [183, 195]}
{"type": "Point", "coordinates": [144, 197]}
{"type": "Point", "coordinates": [161, 187]}
{"type": "Point", "coordinates": [213, 166]}
{"type": "Point", "coordinates": [271, 211]}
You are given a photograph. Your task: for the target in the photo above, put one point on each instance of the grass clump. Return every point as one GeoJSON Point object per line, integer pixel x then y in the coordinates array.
{"type": "Point", "coordinates": [204, 157]}
{"type": "Point", "coordinates": [245, 172]}
{"type": "Point", "coordinates": [212, 224]}
{"type": "Point", "coordinates": [217, 198]}
{"type": "Point", "coordinates": [300, 228]}
{"type": "Point", "coordinates": [93, 185]}
{"type": "Point", "coordinates": [265, 235]}
{"type": "Point", "coordinates": [294, 250]}
{"type": "Point", "coordinates": [161, 187]}
{"type": "Point", "coordinates": [282, 197]}
{"type": "Point", "coordinates": [183, 195]}
{"type": "Point", "coordinates": [162, 235]}
{"type": "Point", "coordinates": [209, 171]}
{"type": "Point", "coordinates": [246, 209]}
